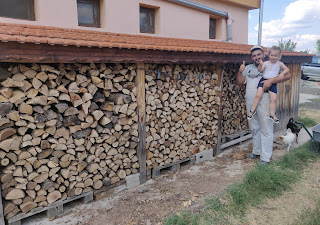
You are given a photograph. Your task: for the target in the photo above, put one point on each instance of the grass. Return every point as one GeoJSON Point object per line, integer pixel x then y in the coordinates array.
{"type": "Point", "coordinates": [309, 117]}
{"type": "Point", "coordinates": [310, 217]}
{"type": "Point", "coordinates": [181, 219]}
{"type": "Point", "coordinates": [258, 184]}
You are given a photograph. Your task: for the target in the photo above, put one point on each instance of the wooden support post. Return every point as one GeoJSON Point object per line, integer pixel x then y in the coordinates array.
{"type": "Point", "coordinates": [217, 151]}
{"type": "Point", "coordinates": [1, 209]}
{"type": "Point", "coordinates": [295, 88]}
{"type": "Point", "coordinates": [141, 98]}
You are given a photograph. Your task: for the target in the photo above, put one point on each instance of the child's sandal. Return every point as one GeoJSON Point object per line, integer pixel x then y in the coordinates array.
{"type": "Point", "coordinates": [274, 118]}
{"type": "Point", "coordinates": [252, 114]}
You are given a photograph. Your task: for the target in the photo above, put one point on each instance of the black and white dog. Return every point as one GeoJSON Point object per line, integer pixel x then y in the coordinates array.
{"type": "Point", "coordinates": [294, 128]}
{"type": "Point", "coordinates": [287, 139]}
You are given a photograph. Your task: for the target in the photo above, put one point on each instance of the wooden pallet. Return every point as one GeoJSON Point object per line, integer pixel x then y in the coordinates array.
{"type": "Point", "coordinates": [175, 166]}
{"type": "Point", "coordinates": [52, 210]}
{"type": "Point", "coordinates": [229, 140]}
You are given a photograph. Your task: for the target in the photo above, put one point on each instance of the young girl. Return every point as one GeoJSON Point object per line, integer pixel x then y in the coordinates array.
{"type": "Point", "coordinates": [270, 70]}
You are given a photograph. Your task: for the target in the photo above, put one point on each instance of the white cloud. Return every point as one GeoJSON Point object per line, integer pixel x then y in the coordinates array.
{"type": "Point", "coordinates": [307, 41]}
{"type": "Point", "coordinates": [304, 41]}
{"type": "Point", "coordinates": [300, 23]}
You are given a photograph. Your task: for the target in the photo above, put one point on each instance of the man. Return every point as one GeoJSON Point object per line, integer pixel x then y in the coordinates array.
{"type": "Point", "coordinates": [260, 124]}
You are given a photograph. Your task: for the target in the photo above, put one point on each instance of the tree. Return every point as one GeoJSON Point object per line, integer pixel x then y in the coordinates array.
{"type": "Point", "coordinates": [318, 46]}
{"type": "Point", "coordinates": [287, 45]}
{"type": "Point", "coordinates": [307, 51]}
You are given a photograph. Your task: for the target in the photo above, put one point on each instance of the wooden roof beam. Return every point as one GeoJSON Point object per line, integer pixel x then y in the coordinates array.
{"type": "Point", "coordinates": [43, 53]}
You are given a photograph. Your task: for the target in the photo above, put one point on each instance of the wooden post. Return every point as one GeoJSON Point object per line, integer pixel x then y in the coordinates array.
{"type": "Point", "coordinates": [141, 98]}
{"type": "Point", "coordinates": [1, 209]}
{"type": "Point", "coordinates": [220, 77]}
{"type": "Point", "coordinates": [288, 98]}
{"type": "Point", "coordinates": [295, 89]}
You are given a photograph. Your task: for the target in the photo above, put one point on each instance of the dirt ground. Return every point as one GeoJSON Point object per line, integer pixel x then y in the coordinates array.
{"type": "Point", "coordinates": [171, 193]}
{"type": "Point", "coordinates": [152, 202]}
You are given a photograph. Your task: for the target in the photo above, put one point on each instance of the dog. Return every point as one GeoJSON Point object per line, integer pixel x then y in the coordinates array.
{"type": "Point", "coordinates": [294, 128]}
{"type": "Point", "coordinates": [288, 139]}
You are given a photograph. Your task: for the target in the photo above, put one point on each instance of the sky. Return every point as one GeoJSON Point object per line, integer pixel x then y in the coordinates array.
{"type": "Point", "coordinates": [298, 20]}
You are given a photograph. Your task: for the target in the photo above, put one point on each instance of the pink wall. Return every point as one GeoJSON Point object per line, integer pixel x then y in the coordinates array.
{"type": "Point", "coordinates": [122, 16]}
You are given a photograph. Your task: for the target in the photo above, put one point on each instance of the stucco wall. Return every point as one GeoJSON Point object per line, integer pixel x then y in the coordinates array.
{"type": "Point", "coordinates": [172, 20]}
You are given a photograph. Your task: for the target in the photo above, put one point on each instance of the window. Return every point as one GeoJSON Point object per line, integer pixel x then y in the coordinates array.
{"type": "Point", "coordinates": [147, 20]}
{"type": "Point", "coordinates": [18, 9]}
{"type": "Point", "coordinates": [88, 13]}
{"type": "Point", "coordinates": [212, 29]}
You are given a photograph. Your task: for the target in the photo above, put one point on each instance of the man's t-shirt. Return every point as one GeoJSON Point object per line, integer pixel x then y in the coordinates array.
{"type": "Point", "coordinates": [253, 77]}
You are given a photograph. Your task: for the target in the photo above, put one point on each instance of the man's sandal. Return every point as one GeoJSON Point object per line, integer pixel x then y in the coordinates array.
{"type": "Point", "coordinates": [274, 118]}
{"type": "Point", "coordinates": [252, 114]}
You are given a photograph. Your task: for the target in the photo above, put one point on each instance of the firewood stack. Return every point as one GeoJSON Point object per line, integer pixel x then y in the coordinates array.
{"type": "Point", "coordinates": [181, 111]}
{"type": "Point", "coordinates": [65, 130]}
{"type": "Point", "coordinates": [234, 116]}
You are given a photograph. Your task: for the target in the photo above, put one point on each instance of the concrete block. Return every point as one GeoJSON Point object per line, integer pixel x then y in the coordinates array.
{"type": "Point", "coordinates": [55, 211]}
{"type": "Point", "coordinates": [204, 156]}
{"type": "Point", "coordinates": [156, 172]}
{"type": "Point", "coordinates": [88, 198]}
{"type": "Point", "coordinates": [175, 167]}
{"type": "Point", "coordinates": [15, 223]}
{"type": "Point", "coordinates": [133, 180]}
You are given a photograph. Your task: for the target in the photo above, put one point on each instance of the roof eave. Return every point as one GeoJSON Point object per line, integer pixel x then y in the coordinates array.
{"type": "Point", "coordinates": [250, 4]}
{"type": "Point", "coordinates": [44, 53]}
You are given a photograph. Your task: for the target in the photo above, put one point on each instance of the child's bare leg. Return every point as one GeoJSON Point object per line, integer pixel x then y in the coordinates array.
{"type": "Point", "coordinates": [256, 101]}
{"type": "Point", "coordinates": [273, 104]}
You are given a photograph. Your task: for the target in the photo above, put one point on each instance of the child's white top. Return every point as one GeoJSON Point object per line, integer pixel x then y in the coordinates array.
{"type": "Point", "coordinates": [271, 71]}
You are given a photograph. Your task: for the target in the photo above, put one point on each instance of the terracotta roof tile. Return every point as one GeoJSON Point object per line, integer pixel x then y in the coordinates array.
{"type": "Point", "coordinates": [64, 36]}
{"type": "Point", "coordinates": [6, 38]}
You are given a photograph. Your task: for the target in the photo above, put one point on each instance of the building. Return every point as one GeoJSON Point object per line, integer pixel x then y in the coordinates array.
{"type": "Point", "coordinates": [199, 19]}
{"type": "Point", "coordinates": [84, 108]}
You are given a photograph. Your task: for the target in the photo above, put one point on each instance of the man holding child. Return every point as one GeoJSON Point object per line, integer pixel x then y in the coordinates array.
{"type": "Point", "coordinates": [260, 124]}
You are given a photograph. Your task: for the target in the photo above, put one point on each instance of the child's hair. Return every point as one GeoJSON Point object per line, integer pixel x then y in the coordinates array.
{"type": "Point", "coordinates": [275, 48]}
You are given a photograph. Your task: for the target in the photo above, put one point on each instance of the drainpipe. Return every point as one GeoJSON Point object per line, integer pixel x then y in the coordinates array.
{"type": "Point", "coordinates": [229, 29]}
{"type": "Point", "coordinates": [260, 22]}
{"type": "Point", "coordinates": [200, 7]}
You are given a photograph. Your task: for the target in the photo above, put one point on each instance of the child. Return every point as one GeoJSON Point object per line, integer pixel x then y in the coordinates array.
{"type": "Point", "coordinates": [270, 70]}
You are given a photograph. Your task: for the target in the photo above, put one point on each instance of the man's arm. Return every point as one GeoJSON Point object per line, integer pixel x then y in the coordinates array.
{"type": "Point", "coordinates": [267, 83]}
{"type": "Point", "coordinates": [240, 78]}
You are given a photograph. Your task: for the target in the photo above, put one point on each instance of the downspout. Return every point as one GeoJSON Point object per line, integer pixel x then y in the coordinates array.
{"type": "Point", "coordinates": [211, 11]}
{"type": "Point", "coordinates": [200, 7]}
{"type": "Point", "coordinates": [229, 29]}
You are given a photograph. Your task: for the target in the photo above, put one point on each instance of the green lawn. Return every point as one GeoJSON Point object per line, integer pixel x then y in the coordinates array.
{"type": "Point", "coordinates": [258, 184]}
{"type": "Point", "coordinates": [309, 117]}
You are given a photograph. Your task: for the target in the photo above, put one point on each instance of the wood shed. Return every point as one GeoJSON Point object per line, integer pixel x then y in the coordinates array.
{"type": "Point", "coordinates": [81, 111]}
